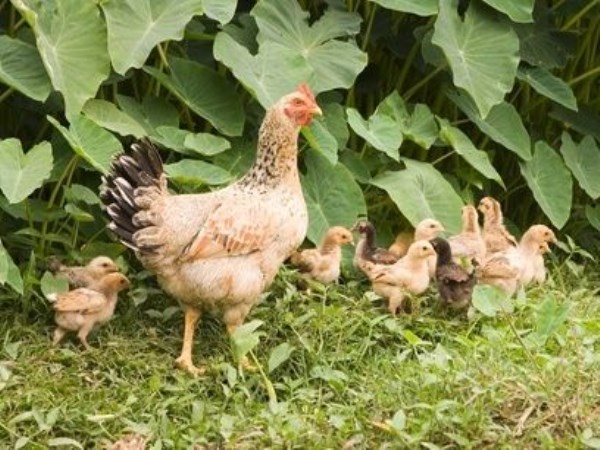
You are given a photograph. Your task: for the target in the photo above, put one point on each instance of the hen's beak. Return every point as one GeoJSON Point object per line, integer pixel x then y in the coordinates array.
{"type": "Point", "coordinates": [316, 111]}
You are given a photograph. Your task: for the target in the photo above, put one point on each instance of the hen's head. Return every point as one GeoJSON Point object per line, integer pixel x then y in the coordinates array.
{"type": "Point", "coordinates": [300, 106]}
{"type": "Point", "coordinates": [428, 229]}
{"type": "Point", "coordinates": [340, 235]}
{"type": "Point", "coordinates": [420, 250]}
{"type": "Point", "coordinates": [102, 265]}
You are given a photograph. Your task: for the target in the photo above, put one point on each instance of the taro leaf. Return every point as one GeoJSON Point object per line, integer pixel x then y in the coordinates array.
{"type": "Point", "coordinates": [172, 138]}
{"type": "Point", "coordinates": [21, 174]}
{"type": "Point", "coordinates": [71, 39]}
{"type": "Point", "coordinates": [49, 284]}
{"type": "Point", "coordinates": [542, 45]}
{"type": "Point", "coordinates": [90, 141]}
{"type": "Point", "coordinates": [482, 53]}
{"type": "Point", "coordinates": [189, 143]}
{"type": "Point", "coordinates": [152, 113]}
{"type": "Point", "coordinates": [135, 27]}
{"type": "Point", "coordinates": [584, 162]}
{"type": "Point", "coordinates": [107, 115]}
{"type": "Point", "coordinates": [420, 8]}
{"type": "Point", "coordinates": [548, 85]}
{"type": "Point", "coordinates": [319, 138]}
{"type": "Point", "coordinates": [291, 51]}
{"type": "Point", "coordinates": [586, 120]}
{"type": "Point", "coordinates": [517, 10]}
{"type": "Point", "coordinates": [245, 338]}
{"type": "Point", "coordinates": [220, 10]}
{"type": "Point", "coordinates": [279, 355]}
{"type": "Point", "coordinates": [421, 192]}
{"type": "Point", "coordinates": [9, 272]}
{"type": "Point", "coordinates": [22, 69]}
{"type": "Point", "coordinates": [238, 160]}
{"type": "Point", "coordinates": [550, 316]}
{"type": "Point", "coordinates": [502, 124]}
{"type": "Point", "coordinates": [461, 143]}
{"type": "Point", "coordinates": [420, 127]}
{"type": "Point", "coordinates": [592, 212]}
{"type": "Point", "coordinates": [551, 183]}
{"type": "Point", "coordinates": [193, 172]}
{"type": "Point", "coordinates": [335, 121]}
{"type": "Point", "coordinates": [332, 196]}
{"type": "Point", "coordinates": [380, 130]}
{"type": "Point", "coordinates": [207, 93]}
{"type": "Point", "coordinates": [490, 300]}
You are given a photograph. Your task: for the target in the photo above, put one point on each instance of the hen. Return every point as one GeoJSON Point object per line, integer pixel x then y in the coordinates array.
{"type": "Point", "coordinates": [323, 263]}
{"type": "Point", "coordinates": [366, 248]}
{"type": "Point", "coordinates": [495, 235]}
{"type": "Point", "coordinates": [408, 275]}
{"type": "Point", "coordinates": [83, 308]}
{"type": "Point", "coordinates": [83, 276]}
{"type": "Point", "coordinates": [469, 243]}
{"type": "Point", "coordinates": [454, 283]}
{"type": "Point", "coordinates": [216, 251]}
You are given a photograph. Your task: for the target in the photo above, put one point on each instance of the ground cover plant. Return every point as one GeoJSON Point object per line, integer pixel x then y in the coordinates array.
{"type": "Point", "coordinates": [427, 105]}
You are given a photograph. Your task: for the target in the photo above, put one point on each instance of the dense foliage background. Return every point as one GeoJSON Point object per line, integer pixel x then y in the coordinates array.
{"type": "Point", "coordinates": [427, 105]}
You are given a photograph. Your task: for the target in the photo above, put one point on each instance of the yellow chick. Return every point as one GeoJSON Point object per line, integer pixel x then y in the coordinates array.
{"type": "Point", "coordinates": [469, 243]}
{"type": "Point", "coordinates": [534, 270]}
{"type": "Point", "coordinates": [83, 276]}
{"type": "Point", "coordinates": [427, 230]}
{"type": "Point", "coordinates": [495, 235]}
{"type": "Point", "coordinates": [323, 263]}
{"type": "Point", "coordinates": [408, 275]}
{"type": "Point", "coordinates": [82, 308]}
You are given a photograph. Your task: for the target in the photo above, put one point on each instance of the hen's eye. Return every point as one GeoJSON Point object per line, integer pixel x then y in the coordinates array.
{"type": "Point", "coordinates": [297, 102]}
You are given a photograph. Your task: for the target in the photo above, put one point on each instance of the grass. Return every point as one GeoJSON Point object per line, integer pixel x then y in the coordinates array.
{"type": "Point", "coordinates": [350, 376]}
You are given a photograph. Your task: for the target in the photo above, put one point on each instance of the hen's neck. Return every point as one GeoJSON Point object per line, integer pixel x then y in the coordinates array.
{"type": "Point", "coordinates": [277, 153]}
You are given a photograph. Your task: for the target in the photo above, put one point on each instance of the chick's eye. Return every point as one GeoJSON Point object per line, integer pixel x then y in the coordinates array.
{"type": "Point", "coordinates": [424, 247]}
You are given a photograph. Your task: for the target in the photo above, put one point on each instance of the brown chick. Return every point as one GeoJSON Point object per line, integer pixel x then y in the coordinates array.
{"type": "Point", "coordinates": [454, 283]}
{"type": "Point", "coordinates": [469, 243]}
{"type": "Point", "coordinates": [83, 276]}
{"type": "Point", "coordinates": [323, 263]}
{"type": "Point", "coordinates": [216, 251]}
{"type": "Point", "coordinates": [495, 235]}
{"type": "Point", "coordinates": [366, 248]}
{"type": "Point", "coordinates": [83, 308]}
{"type": "Point", "coordinates": [426, 229]}
{"type": "Point", "coordinates": [408, 275]}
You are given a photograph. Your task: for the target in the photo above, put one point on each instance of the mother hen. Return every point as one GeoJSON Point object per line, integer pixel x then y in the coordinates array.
{"type": "Point", "coordinates": [216, 251]}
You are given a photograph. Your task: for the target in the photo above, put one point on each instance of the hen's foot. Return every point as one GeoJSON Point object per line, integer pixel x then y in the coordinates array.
{"type": "Point", "coordinates": [188, 366]}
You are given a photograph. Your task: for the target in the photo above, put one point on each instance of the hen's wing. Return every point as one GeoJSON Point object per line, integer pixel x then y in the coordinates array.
{"type": "Point", "coordinates": [233, 228]}
{"type": "Point", "coordinates": [84, 300]}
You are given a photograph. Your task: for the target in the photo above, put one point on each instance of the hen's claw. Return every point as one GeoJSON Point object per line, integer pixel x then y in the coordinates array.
{"type": "Point", "coordinates": [188, 366]}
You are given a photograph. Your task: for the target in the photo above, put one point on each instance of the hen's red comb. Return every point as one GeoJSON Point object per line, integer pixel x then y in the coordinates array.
{"type": "Point", "coordinates": [305, 90]}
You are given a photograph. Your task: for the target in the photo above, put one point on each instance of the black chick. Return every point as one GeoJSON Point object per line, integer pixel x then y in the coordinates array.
{"type": "Point", "coordinates": [454, 283]}
{"type": "Point", "coordinates": [366, 249]}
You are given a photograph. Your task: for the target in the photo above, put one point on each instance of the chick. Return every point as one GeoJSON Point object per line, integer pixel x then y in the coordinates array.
{"type": "Point", "coordinates": [82, 308]}
{"type": "Point", "coordinates": [129, 442]}
{"type": "Point", "coordinates": [531, 242]}
{"type": "Point", "coordinates": [495, 235]}
{"type": "Point", "coordinates": [408, 275]}
{"type": "Point", "coordinates": [83, 276]}
{"type": "Point", "coordinates": [469, 243]}
{"type": "Point", "coordinates": [427, 230]}
{"type": "Point", "coordinates": [366, 249]}
{"type": "Point", "coordinates": [323, 263]}
{"type": "Point", "coordinates": [454, 283]}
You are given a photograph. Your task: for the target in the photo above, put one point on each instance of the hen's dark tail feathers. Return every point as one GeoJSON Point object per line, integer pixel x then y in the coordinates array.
{"type": "Point", "coordinates": [142, 167]}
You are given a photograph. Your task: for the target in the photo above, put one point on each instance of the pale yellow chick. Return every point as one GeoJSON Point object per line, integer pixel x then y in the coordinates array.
{"type": "Point", "coordinates": [82, 308]}
{"type": "Point", "coordinates": [469, 243]}
{"type": "Point", "coordinates": [495, 235]}
{"type": "Point", "coordinates": [83, 276]}
{"type": "Point", "coordinates": [427, 230]}
{"type": "Point", "coordinates": [408, 275]}
{"type": "Point", "coordinates": [323, 263]}
{"type": "Point", "coordinates": [535, 271]}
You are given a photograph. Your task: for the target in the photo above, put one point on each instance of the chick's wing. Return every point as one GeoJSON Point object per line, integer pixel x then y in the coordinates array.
{"type": "Point", "coordinates": [84, 300]}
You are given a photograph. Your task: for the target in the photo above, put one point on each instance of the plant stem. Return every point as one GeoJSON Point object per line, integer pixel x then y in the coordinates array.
{"type": "Point", "coordinates": [584, 75]}
{"type": "Point", "coordinates": [579, 15]}
{"type": "Point", "coordinates": [369, 26]}
{"type": "Point", "coordinates": [408, 94]}
{"type": "Point", "coordinates": [6, 94]}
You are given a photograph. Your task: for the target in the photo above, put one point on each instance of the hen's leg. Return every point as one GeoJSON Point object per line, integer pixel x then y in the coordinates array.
{"type": "Point", "coordinates": [184, 361]}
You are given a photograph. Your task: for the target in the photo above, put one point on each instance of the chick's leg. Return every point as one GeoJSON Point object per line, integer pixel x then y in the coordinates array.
{"type": "Point", "coordinates": [59, 333]}
{"type": "Point", "coordinates": [83, 333]}
{"type": "Point", "coordinates": [184, 361]}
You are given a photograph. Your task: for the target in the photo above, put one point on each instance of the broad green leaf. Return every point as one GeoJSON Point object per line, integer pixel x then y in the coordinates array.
{"type": "Point", "coordinates": [189, 143]}
{"type": "Point", "coordinates": [542, 45]}
{"type": "Point", "coordinates": [22, 69]}
{"type": "Point", "coordinates": [319, 138]}
{"type": "Point", "coordinates": [292, 51]}
{"type": "Point", "coordinates": [461, 143]}
{"type": "Point", "coordinates": [107, 115]}
{"type": "Point", "coordinates": [220, 10]}
{"type": "Point", "coordinates": [9, 272]}
{"type": "Point", "coordinates": [152, 113]}
{"type": "Point", "coordinates": [332, 196]}
{"type": "Point", "coordinates": [586, 120]}
{"type": "Point", "coordinates": [482, 53]}
{"type": "Point", "coordinates": [592, 212]}
{"type": "Point", "coordinates": [398, 422]}
{"type": "Point", "coordinates": [21, 174]}
{"type": "Point", "coordinates": [49, 284]}
{"type": "Point", "coordinates": [548, 85]}
{"type": "Point", "coordinates": [550, 316]}
{"type": "Point", "coordinates": [420, 8]}
{"type": "Point", "coordinates": [490, 300]}
{"type": "Point", "coordinates": [421, 192]}
{"type": "Point", "coordinates": [207, 93]}
{"type": "Point", "coordinates": [90, 141]}
{"type": "Point", "coordinates": [78, 193]}
{"type": "Point", "coordinates": [193, 172]}
{"type": "Point", "coordinates": [381, 131]}
{"type": "Point", "coordinates": [71, 39]}
{"type": "Point", "coordinates": [78, 214]}
{"type": "Point", "coordinates": [336, 123]}
{"type": "Point", "coordinates": [517, 10]}
{"type": "Point", "coordinates": [279, 355]}
{"type": "Point", "coordinates": [135, 27]}
{"type": "Point", "coordinates": [502, 124]}
{"type": "Point", "coordinates": [245, 338]}
{"type": "Point", "coordinates": [551, 183]}
{"type": "Point", "coordinates": [35, 210]}
{"type": "Point", "coordinates": [584, 162]}
{"type": "Point", "coordinates": [420, 127]}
